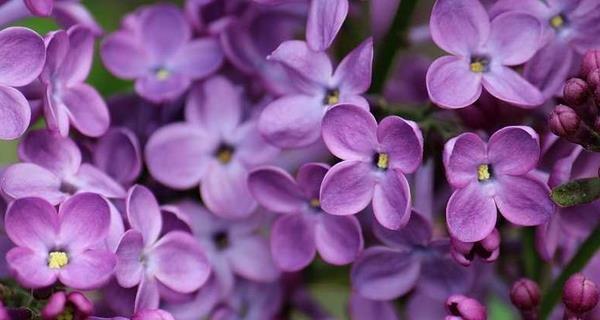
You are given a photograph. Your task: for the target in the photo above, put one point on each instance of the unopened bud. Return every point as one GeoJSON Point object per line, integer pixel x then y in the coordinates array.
{"type": "Point", "coordinates": [487, 249]}
{"type": "Point", "coordinates": [591, 61]}
{"type": "Point", "coordinates": [576, 91]}
{"type": "Point", "coordinates": [525, 295]}
{"type": "Point", "coordinates": [593, 79]}
{"type": "Point", "coordinates": [580, 294]}
{"type": "Point", "coordinates": [564, 121]}
{"type": "Point", "coordinates": [461, 307]}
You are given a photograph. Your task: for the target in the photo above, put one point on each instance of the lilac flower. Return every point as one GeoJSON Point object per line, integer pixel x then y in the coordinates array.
{"type": "Point", "coordinates": [304, 228]}
{"type": "Point", "coordinates": [174, 261]}
{"type": "Point", "coordinates": [294, 120]}
{"type": "Point", "coordinates": [60, 246]}
{"type": "Point", "coordinates": [570, 28]}
{"type": "Point", "coordinates": [409, 258]}
{"type": "Point", "coordinates": [22, 54]}
{"type": "Point", "coordinates": [376, 158]}
{"type": "Point", "coordinates": [482, 52]}
{"type": "Point", "coordinates": [118, 154]}
{"type": "Point", "coordinates": [494, 176]}
{"type": "Point", "coordinates": [73, 305]}
{"type": "Point", "coordinates": [67, 99]}
{"type": "Point", "coordinates": [52, 170]}
{"type": "Point", "coordinates": [155, 48]}
{"type": "Point", "coordinates": [213, 147]}
{"type": "Point", "coordinates": [325, 19]}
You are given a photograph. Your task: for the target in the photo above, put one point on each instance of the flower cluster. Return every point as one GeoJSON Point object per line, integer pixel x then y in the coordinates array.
{"type": "Point", "coordinates": [254, 154]}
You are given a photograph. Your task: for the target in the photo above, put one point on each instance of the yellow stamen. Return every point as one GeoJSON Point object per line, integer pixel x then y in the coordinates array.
{"type": "Point", "coordinates": [383, 161]}
{"type": "Point", "coordinates": [483, 172]}
{"type": "Point", "coordinates": [315, 203]}
{"type": "Point", "coordinates": [162, 74]}
{"type": "Point", "coordinates": [557, 21]}
{"type": "Point", "coordinates": [477, 67]}
{"type": "Point", "coordinates": [57, 259]}
{"type": "Point", "coordinates": [332, 97]}
{"type": "Point", "coordinates": [224, 156]}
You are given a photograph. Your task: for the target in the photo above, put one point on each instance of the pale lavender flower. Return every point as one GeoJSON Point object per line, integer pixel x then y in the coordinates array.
{"type": "Point", "coordinates": [376, 159]}
{"type": "Point", "coordinates": [482, 53]}
{"type": "Point", "coordinates": [61, 245]}
{"type": "Point", "coordinates": [304, 228]}
{"type": "Point", "coordinates": [494, 177]}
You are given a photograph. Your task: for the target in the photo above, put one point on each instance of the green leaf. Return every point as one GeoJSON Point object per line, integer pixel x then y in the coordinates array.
{"type": "Point", "coordinates": [577, 192]}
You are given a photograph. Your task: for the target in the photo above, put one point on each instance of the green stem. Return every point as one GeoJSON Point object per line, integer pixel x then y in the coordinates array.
{"type": "Point", "coordinates": [586, 251]}
{"type": "Point", "coordinates": [531, 260]}
{"type": "Point", "coordinates": [394, 39]}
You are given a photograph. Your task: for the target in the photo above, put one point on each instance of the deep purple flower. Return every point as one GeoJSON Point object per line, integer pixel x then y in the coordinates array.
{"type": "Point", "coordinates": [376, 158]}
{"type": "Point", "coordinates": [155, 47]}
{"type": "Point", "coordinates": [482, 53]}
{"type": "Point", "coordinates": [465, 308]}
{"type": "Point", "coordinates": [294, 120]}
{"type": "Point", "coordinates": [22, 53]}
{"type": "Point", "coordinates": [494, 177]}
{"type": "Point", "coordinates": [73, 305]}
{"type": "Point", "coordinates": [304, 228]}
{"type": "Point", "coordinates": [174, 261]}
{"type": "Point", "coordinates": [213, 147]}
{"type": "Point", "coordinates": [60, 246]}
{"type": "Point", "coordinates": [67, 99]}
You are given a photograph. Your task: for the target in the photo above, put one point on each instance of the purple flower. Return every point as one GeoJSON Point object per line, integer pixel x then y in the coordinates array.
{"type": "Point", "coordinates": [22, 54]}
{"type": "Point", "coordinates": [67, 99]}
{"type": "Point", "coordinates": [155, 48]}
{"type": "Point", "coordinates": [213, 147]}
{"type": "Point", "coordinates": [294, 120]}
{"type": "Point", "coordinates": [52, 169]}
{"type": "Point", "coordinates": [325, 19]}
{"type": "Point", "coordinates": [304, 228]}
{"type": "Point", "coordinates": [494, 177]}
{"type": "Point", "coordinates": [73, 305]}
{"type": "Point", "coordinates": [482, 52]}
{"type": "Point", "coordinates": [118, 154]}
{"type": "Point", "coordinates": [61, 245]}
{"type": "Point", "coordinates": [375, 160]}
{"type": "Point", "coordinates": [174, 261]}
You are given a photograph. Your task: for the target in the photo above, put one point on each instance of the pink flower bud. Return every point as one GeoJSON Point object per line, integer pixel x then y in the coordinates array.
{"type": "Point", "coordinates": [73, 306]}
{"type": "Point", "coordinates": [576, 91]}
{"type": "Point", "coordinates": [591, 61]}
{"type": "Point", "coordinates": [525, 294]}
{"type": "Point", "coordinates": [487, 249]}
{"type": "Point", "coordinates": [564, 121]}
{"type": "Point", "coordinates": [580, 294]}
{"type": "Point", "coordinates": [465, 308]}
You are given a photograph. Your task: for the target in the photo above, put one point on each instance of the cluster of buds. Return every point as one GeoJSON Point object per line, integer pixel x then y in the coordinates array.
{"type": "Point", "coordinates": [487, 249]}
{"type": "Point", "coordinates": [578, 119]}
{"type": "Point", "coordinates": [580, 296]}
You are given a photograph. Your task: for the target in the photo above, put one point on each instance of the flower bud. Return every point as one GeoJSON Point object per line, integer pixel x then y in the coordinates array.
{"type": "Point", "coordinates": [591, 61]}
{"type": "Point", "coordinates": [465, 308]}
{"type": "Point", "coordinates": [74, 306]}
{"type": "Point", "coordinates": [564, 121]}
{"type": "Point", "coordinates": [580, 294]}
{"type": "Point", "coordinates": [576, 91]}
{"type": "Point", "coordinates": [525, 295]}
{"type": "Point", "coordinates": [487, 249]}
{"type": "Point", "coordinates": [593, 79]}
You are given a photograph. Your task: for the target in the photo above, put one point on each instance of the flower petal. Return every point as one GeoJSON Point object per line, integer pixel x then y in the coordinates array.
{"type": "Point", "coordinates": [451, 84]}
{"type": "Point", "coordinates": [23, 180]}
{"type": "Point", "coordinates": [160, 90]}
{"type": "Point", "coordinates": [30, 268]}
{"type": "Point", "coordinates": [514, 37]}
{"type": "Point", "coordinates": [309, 178]}
{"type": "Point", "coordinates": [147, 296]}
{"type": "Point", "coordinates": [251, 258]}
{"type": "Point", "coordinates": [163, 31]}
{"type": "Point", "coordinates": [129, 269]}
{"type": "Point", "coordinates": [118, 154]}
{"type": "Point", "coordinates": [354, 72]}
{"type": "Point", "coordinates": [51, 151]}
{"type": "Point", "coordinates": [503, 144]}
{"type": "Point", "coordinates": [338, 238]}
{"type": "Point", "coordinates": [78, 62]}
{"type": "Point", "coordinates": [347, 188]}
{"type": "Point", "coordinates": [92, 179]}
{"type": "Point", "coordinates": [32, 223]}
{"type": "Point", "coordinates": [84, 221]}
{"type": "Point", "coordinates": [391, 200]}
{"type": "Point", "coordinates": [418, 232]}
{"type": "Point", "coordinates": [524, 201]}
{"type": "Point", "coordinates": [462, 156]}
{"type": "Point", "coordinates": [507, 85]}
{"type": "Point", "coordinates": [292, 242]}
{"type": "Point", "coordinates": [22, 56]}
{"type": "Point", "coordinates": [471, 213]}
{"type": "Point", "coordinates": [199, 58]}
{"type": "Point", "coordinates": [350, 133]}
{"type": "Point", "coordinates": [325, 18]}
{"type": "Point", "coordinates": [143, 213]}
{"type": "Point", "coordinates": [297, 57]}
{"type": "Point", "coordinates": [87, 110]}
{"type": "Point", "coordinates": [41, 8]}
{"type": "Point", "coordinates": [124, 56]}
{"type": "Point", "coordinates": [549, 67]}
{"type": "Point", "coordinates": [15, 113]}
{"type": "Point", "coordinates": [88, 270]}
{"type": "Point", "coordinates": [225, 191]}
{"type": "Point", "coordinates": [402, 140]}
{"type": "Point", "coordinates": [276, 190]}
{"type": "Point", "coordinates": [362, 308]}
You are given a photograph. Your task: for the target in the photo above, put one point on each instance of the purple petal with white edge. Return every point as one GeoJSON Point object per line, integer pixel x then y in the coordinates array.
{"type": "Point", "coordinates": [459, 26]}
{"type": "Point", "coordinates": [353, 75]}
{"type": "Point", "coordinates": [143, 213]}
{"type": "Point", "coordinates": [325, 18]}
{"type": "Point", "coordinates": [32, 223]}
{"type": "Point", "coordinates": [85, 220]}
{"type": "Point", "coordinates": [391, 200]}
{"type": "Point", "coordinates": [147, 297]}
{"type": "Point", "coordinates": [402, 140]}
{"type": "Point", "coordinates": [384, 274]}
{"type": "Point", "coordinates": [350, 133]}
{"type": "Point", "coordinates": [23, 180]}
{"type": "Point", "coordinates": [274, 189]}
{"type": "Point", "coordinates": [514, 150]}
{"type": "Point", "coordinates": [292, 121]}
{"type": "Point", "coordinates": [251, 259]}
{"type": "Point", "coordinates": [160, 90]}
{"type": "Point", "coordinates": [15, 113]}
{"type": "Point", "coordinates": [129, 269]}
{"type": "Point", "coordinates": [179, 262]}
{"type": "Point", "coordinates": [198, 59]}
{"type": "Point", "coordinates": [92, 179]}
{"type": "Point", "coordinates": [471, 213]}
{"type": "Point", "coordinates": [293, 242]}
{"type": "Point", "coordinates": [215, 106]}
{"type": "Point", "coordinates": [347, 188]}
{"type": "Point", "coordinates": [88, 270]}
{"type": "Point", "coordinates": [300, 59]}
{"type": "Point", "coordinates": [451, 84]}
{"type": "Point", "coordinates": [30, 267]}
{"type": "Point", "coordinates": [514, 37]}
{"type": "Point", "coordinates": [418, 232]}
{"type": "Point", "coordinates": [225, 191]}
{"type": "Point", "coordinates": [118, 154]}
{"type": "Point", "coordinates": [22, 56]}
{"type": "Point", "coordinates": [77, 64]}
{"type": "Point", "coordinates": [524, 201]}
{"type": "Point", "coordinates": [362, 308]}
{"type": "Point", "coordinates": [462, 157]}
{"type": "Point", "coordinates": [178, 155]}
{"type": "Point", "coordinates": [52, 151]}
{"type": "Point", "coordinates": [124, 56]}
{"type": "Point", "coordinates": [309, 178]}
{"type": "Point", "coordinates": [42, 8]}
{"type": "Point", "coordinates": [338, 238]}
{"type": "Point", "coordinates": [163, 30]}
{"type": "Point", "coordinates": [507, 85]}
{"type": "Point", "coordinates": [87, 110]}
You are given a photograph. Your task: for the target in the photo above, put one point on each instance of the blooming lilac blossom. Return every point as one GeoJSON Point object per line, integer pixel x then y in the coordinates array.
{"type": "Point", "coordinates": [376, 158]}
{"type": "Point", "coordinates": [482, 53]}
{"type": "Point", "coordinates": [304, 228]}
{"type": "Point", "coordinates": [61, 245]}
{"type": "Point", "coordinates": [494, 177]}
{"type": "Point", "coordinates": [155, 48]}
